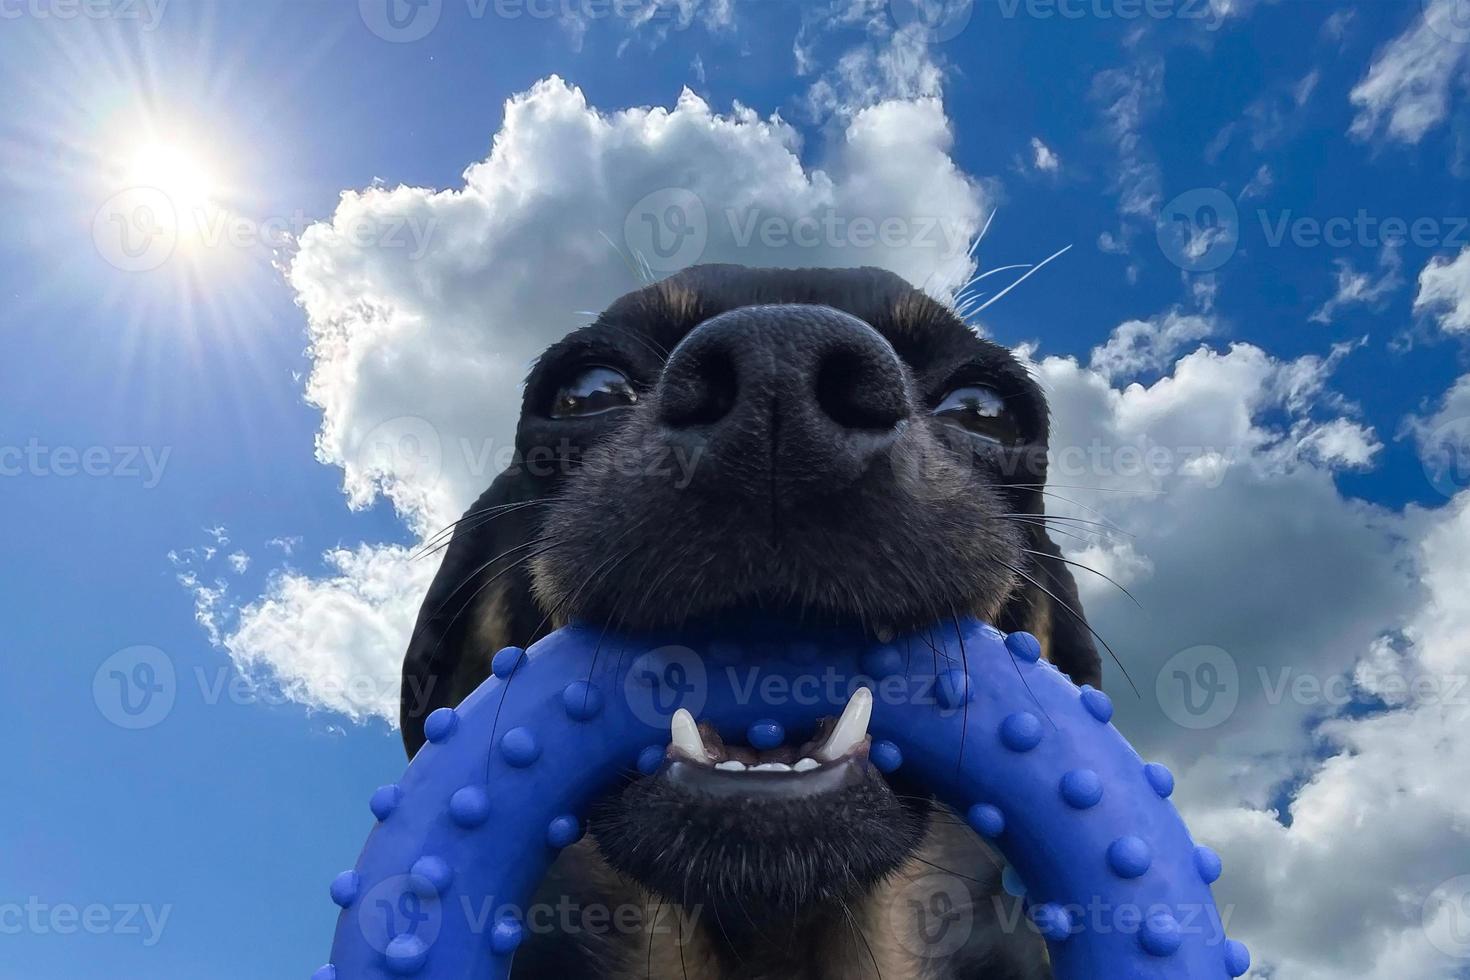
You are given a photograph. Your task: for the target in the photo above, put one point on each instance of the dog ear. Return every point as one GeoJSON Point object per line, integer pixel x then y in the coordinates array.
{"type": "Point", "coordinates": [480, 601]}
{"type": "Point", "coordinates": [1056, 619]}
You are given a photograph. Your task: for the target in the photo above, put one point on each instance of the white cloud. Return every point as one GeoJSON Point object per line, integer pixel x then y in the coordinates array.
{"type": "Point", "coordinates": [890, 65]}
{"type": "Point", "coordinates": [209, 600]}
{"type": "Point", "coordinates": [1356, 288]}
{"type": "Point", "coordinates": [1444, 292]}
{"type": "Point", "coordinates": [1336, 825]}
{"type": "Point", "coordinates": [1335, 27]}
{"type": "Point", "coordinates": [1221, 471]}
{"type": "Point", "coordinates": [1270, 119]}
{"type": "Point", "coordinates": [239, 562]}
{"type": "Point", "coordinates": [1260, 184]}
{"type": "Point", "coordinates": [286, 544]}
{"type": "Point", "coordinates": [1443, 439]}
{"type": "Point", "coordinates": [1140, 346]}
{"type": "Point", "coordinates": [1407, 90]}
{"type": "Point", "coordinates": [336, 642]}
{"type": "Point", "coordinates": [1043, 157]}
{"type": "Point", "coordinates": [1128, 97]}
{"type": "Point", "coordinates": [1382, 820]}
{"type": "Point", "coordinates": [1338, 443]}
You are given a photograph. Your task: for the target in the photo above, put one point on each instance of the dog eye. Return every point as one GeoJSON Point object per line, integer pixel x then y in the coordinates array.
{"type": "Point", "coordinates": [594, 391]}
{"type": "Point", "coordinates": [982, 411]}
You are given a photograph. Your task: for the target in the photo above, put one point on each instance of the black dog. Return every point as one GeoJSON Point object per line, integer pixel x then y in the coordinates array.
{"type": "Point", "coordinates": [829, 444]}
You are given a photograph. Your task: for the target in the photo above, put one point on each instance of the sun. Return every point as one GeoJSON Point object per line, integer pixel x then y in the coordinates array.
{"type": "Point", "coordinates": [177, 170]}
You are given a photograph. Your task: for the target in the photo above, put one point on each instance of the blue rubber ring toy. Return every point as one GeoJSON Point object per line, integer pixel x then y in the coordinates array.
{"type": "Point", "coordinates": [1111, 876]}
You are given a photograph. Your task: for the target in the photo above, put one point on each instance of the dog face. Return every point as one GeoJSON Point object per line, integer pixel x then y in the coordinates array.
{"type": "Point", "coordinates": [825, 445]}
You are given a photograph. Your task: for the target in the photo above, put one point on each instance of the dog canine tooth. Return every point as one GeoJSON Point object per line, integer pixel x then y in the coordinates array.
{"type": "Point", "coordinates": [806, 765]}
{"type": "Point", "coordinates": [684, 734]}
{"type": "Point", "coordinates": [850, 729]}
{"type": "Point", "coordinates": [731, 766]}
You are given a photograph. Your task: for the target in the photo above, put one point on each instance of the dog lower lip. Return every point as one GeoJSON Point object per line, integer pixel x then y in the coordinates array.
{"type": "Point", "coordinates": [711, 783]}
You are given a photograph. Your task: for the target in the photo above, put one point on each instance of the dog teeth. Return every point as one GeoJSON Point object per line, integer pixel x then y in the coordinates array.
{"type": "Point", "coordinates": [850, 729]}
{"type": "Point", "coordinates": [848, 734]}
{"type": "Point", "coordinates": [684, 734]}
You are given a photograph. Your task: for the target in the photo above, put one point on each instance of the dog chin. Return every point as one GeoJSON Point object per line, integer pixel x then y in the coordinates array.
{"type": "Point", "coordinates": [754, 856]}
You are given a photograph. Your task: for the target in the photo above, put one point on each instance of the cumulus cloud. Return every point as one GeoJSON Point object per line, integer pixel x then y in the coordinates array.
{"type": "Point", "coordinates": [1444, 292]}
{"type": "Point", "coordinates": [1300, 655]}
{"type": "Point", "coordinates": [1148, 345]}
{"type": "Point", "coordinates": [1407, 89]}
{"type": "Point", "coordinates": [1218, 472]}
{"type": "Point", "coordinates": [1043, 157]}
{"type": "Point", "coordinates": [336, 642]}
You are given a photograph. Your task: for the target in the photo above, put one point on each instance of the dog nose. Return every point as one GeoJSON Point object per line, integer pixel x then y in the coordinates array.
{"type": "Point", "coordinates": [803, 395]}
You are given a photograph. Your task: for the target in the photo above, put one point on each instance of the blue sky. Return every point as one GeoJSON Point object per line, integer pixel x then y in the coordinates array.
{"type": "Point", "coordinates": [186, 385]}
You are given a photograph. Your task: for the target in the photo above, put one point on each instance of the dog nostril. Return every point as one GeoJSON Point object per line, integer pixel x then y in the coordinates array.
{"type": "Point", "coordinates": [703, 391]}
{"type": "Point", "coordinates": [858, 391]}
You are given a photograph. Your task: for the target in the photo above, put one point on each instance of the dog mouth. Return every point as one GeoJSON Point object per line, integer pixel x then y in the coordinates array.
{"type": "Point", "coordinates": [838, 740]}
{"type": "Point", "coordinates": [701, 763]}
{"type": "Point", "coordinates": [794, 827]}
